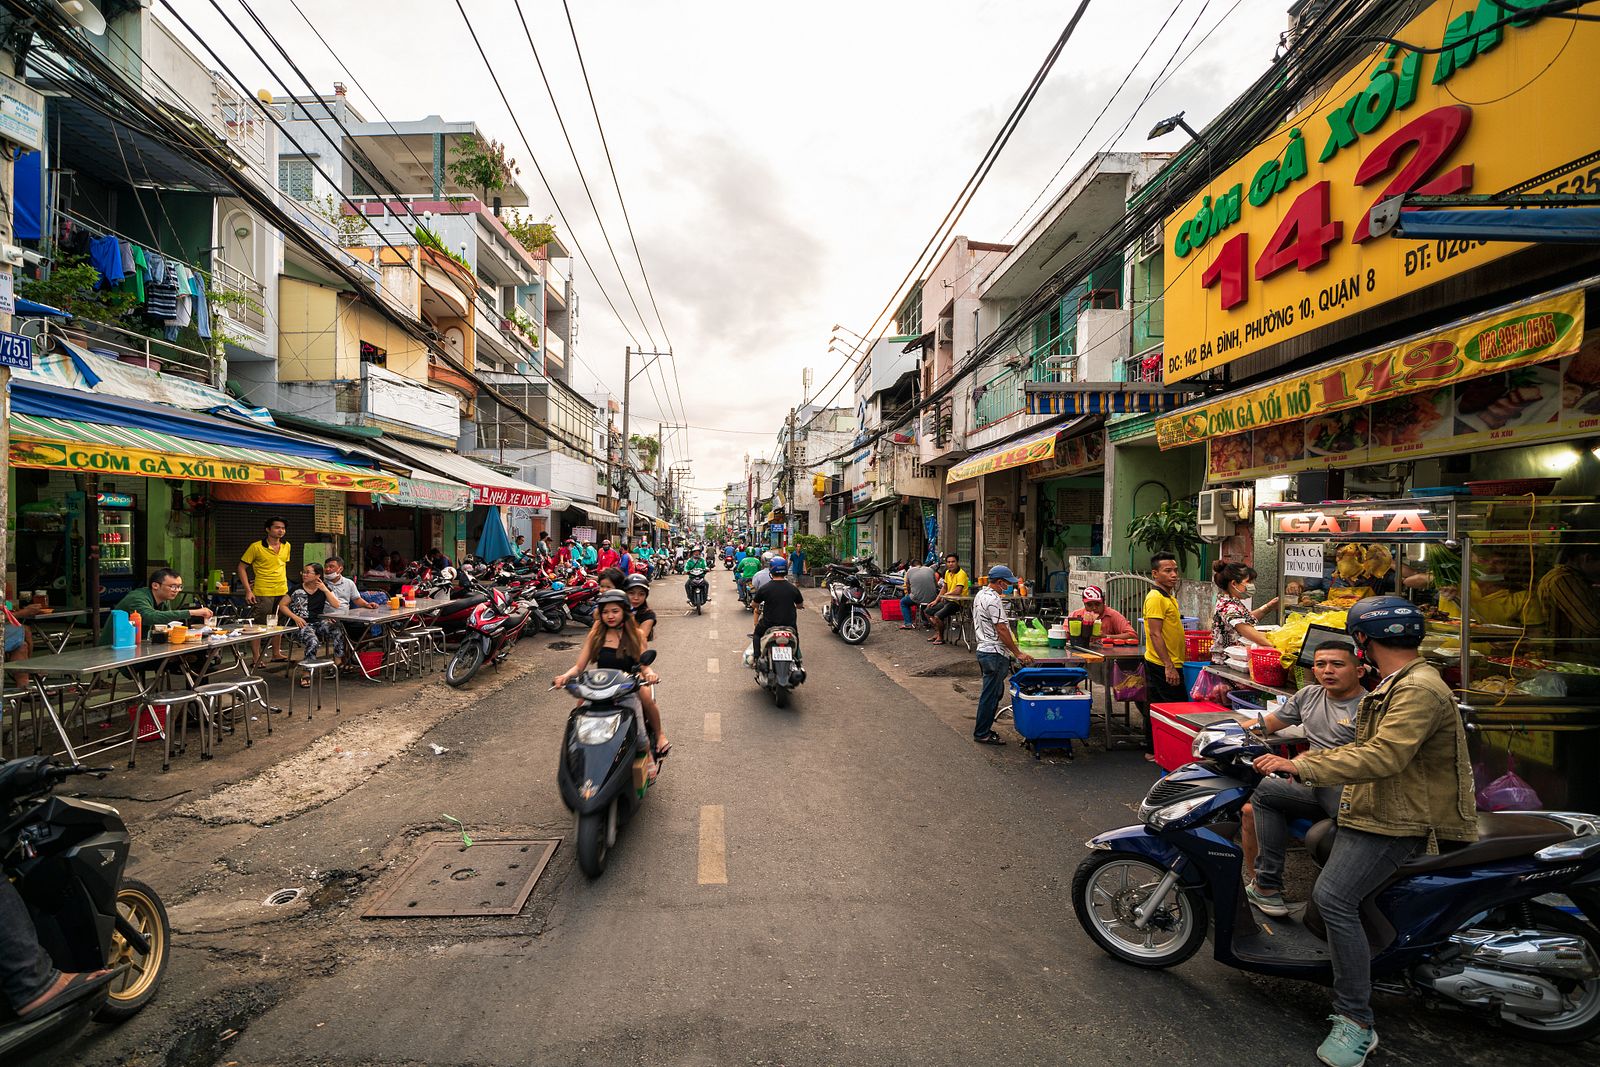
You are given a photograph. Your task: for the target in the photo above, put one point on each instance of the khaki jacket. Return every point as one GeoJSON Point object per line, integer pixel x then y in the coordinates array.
{"type": "Point", "coordinates": [1407, 774]}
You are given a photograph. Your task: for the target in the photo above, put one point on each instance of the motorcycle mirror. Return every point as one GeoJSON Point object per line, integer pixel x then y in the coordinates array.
{"type": "Point", "coordinates": [648, 658]}
{"type": "Point", "coordinates": [448, 574]}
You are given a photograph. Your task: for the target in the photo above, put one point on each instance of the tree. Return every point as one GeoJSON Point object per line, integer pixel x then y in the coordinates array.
{"type": "Point", "coordinates": [648, 448]}
{"type": "Point", "coordinates": [482, 165]}
{"type": "Point", "coordinates": [529, 234]}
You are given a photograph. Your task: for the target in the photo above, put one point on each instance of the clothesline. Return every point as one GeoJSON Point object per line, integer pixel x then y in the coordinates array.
{"type": "Point", "coordinates": [99, 229]}
{"type": "Point", "coordinates": [172, 291]}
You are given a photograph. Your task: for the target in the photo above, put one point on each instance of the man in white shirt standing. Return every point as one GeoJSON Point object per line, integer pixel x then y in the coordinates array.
{"type": "Point", "coordinates": [996, 646]}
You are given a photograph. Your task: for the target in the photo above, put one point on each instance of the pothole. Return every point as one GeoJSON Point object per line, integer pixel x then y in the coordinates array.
{"type": "Point", "coordinates": [561, 646]}
{"type": "Point", "coordinates": [282, 897]}
{"type": "Point", "coordinates": [961, 668]}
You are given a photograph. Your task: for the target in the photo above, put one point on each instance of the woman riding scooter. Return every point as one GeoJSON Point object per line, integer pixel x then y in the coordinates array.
{"type": "Point", "coordinates": [638, 590]}
{"type": "Point", "coordinates": [615, 643]}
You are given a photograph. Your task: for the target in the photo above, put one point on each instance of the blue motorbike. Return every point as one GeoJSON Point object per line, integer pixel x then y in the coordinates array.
{"type": "Point", "coordinates": [1477, 926]}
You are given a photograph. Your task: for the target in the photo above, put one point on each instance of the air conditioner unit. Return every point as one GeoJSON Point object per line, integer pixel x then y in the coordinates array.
{"type": "Point", "coordinates": [1150, 243]}
{"type": "Point", "coordinates": [1216, 512]}
{"type": "Point", "coordinates": [947, 329]}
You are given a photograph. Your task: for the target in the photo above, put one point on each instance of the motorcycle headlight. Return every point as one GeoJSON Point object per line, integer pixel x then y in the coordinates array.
{"type": "Point", "coordinates": [1164, 816]}
{"type": "Point", "coordinates": [598, 729]}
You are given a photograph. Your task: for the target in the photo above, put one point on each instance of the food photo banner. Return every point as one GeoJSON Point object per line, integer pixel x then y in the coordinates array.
{"type": "Point", "coordinates": [1526, 405]}
{"type": "Point", "coordinates": [1279, 243]}
{"type": "Point", "coordinates": [1530, 332]}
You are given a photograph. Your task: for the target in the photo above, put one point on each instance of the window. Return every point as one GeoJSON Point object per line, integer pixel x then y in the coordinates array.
{"type": "Point", "coordinates": [908, 320]}
{"type": "Point", "coordinates": [1149, 319]}
{"type": "Point", "coordinates": [371, 353]}
{"type": "Point", "coordinates": [294, 178]}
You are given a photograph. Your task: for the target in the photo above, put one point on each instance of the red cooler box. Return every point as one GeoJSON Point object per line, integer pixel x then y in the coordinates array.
{"type": "Point", "coordinates": [1174, 725]}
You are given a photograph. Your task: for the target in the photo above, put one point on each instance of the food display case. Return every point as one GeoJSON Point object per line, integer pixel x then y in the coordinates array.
{"type": "Point", "coordinates": [1509, 584]}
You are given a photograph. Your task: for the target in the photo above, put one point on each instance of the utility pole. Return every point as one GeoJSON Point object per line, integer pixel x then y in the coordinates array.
{"type": "Point", "coordinates": [622, 493]}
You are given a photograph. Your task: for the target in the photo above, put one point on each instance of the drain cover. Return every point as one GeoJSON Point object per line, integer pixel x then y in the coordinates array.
{"type": "Point", "coordinates": [490, 878]}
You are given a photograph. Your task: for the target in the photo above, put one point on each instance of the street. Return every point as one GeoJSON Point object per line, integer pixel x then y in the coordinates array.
{"type": "Point", "coordinates": [893, 893]}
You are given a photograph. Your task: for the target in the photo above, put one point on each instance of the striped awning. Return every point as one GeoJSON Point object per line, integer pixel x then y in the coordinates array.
{"type": "Point", "coordinates": [103, 448]}
{"type": "Point", "coordinates": [1100, 403]}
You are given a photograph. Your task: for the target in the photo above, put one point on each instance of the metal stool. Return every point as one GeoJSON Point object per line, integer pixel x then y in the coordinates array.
{"type": "Point", "coordinates": [254, 688]}
{"type": "Point", "coordinates": [214, 692]}
{"type": "Point", "coordinates": [11, 703]}
{"type": "Point", "coordinates": [407, 652]}
{"type": "Point", "coordinates": [313, 670]}
{"type": "Point", "coordinates": [432, 642]}
{"type": "Point", "coordinates": [176, 700]}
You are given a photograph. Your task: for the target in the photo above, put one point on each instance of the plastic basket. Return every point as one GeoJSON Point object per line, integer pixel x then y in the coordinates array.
{"type": "Point", "coordinates": [889, 610]}
{"type": "Point", "coordinates": [152, 720]}
{"type": "Point", "coordinates": [1196, 644]}
{"type": "Point", "coordinates": [1266, 667]}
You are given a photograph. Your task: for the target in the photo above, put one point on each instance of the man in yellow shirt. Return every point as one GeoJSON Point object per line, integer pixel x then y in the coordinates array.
{"type": "Point", "coordinates": [1568, 605]}
{"type": "Point", "coordinates": [269, 559]}
{"type": "Point", "coordinates": [953, 583]}
{"type": "Point", "coordinates": [1163, 642]}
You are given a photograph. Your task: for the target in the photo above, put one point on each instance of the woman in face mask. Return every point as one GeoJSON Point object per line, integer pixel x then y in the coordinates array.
{"type": "Point", "coordinates": [1233, 621]}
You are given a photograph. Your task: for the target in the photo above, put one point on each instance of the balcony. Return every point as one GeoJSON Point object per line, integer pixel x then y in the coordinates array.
{"type": "Point", "coordinates": [555, 349]}
{"type": "Point", "coordinates": [248, 130]}
{"type": "Point", "coordinates": [242, 303]}
{"type": "Point", "coordinates": [452, 379]}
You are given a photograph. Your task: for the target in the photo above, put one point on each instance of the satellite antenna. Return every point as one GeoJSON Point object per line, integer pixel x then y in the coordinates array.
{"type": "Point", "coordinates": [84, 15]}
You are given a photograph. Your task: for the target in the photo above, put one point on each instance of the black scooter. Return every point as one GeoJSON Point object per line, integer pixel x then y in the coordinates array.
{"type": "Point", "coordinates": [777, 671]}
{"type": "Point", "coordinates": [697, 589]}
{"type": "Point", "coordinates": [604, 754]}
{"type": "Point", "coordinates": [66, 856]}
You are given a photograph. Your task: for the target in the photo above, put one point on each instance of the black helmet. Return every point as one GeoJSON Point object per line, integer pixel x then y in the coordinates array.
{"type": "Point", "coordinates": [1385, 617]}
{"type": "Point", "coordinates": [636, 581]}
{"type": "Point", "coordinates": [611, 596]}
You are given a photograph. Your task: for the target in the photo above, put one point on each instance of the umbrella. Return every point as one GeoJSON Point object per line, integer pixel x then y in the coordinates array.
{"type": "Point", "coordinates": [494, 544]}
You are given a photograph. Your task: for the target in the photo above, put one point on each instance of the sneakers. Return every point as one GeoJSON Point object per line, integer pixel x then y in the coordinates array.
{"type": "Point", "coordinates": [1272, 904]}
{"type": "Point", "coordinates": [1347, 1045]}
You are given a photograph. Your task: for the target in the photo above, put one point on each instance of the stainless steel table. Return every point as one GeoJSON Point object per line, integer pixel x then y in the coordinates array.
{"type": "Point", "coordinates": [85, 665]}
{"type": "Point", "coordinates": [56, 640]}
{"type": "Point", "coordinates": [384, 617]}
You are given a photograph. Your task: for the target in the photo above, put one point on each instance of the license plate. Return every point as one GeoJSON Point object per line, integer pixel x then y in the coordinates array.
{"type": "Point", "coordinates": [781, 653]}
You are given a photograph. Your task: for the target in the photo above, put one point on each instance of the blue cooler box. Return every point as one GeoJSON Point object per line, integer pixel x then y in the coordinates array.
{"type": "Point", "coordinates": [1040, 715]}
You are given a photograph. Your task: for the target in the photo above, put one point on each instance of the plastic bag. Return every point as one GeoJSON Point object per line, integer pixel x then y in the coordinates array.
{"type": "Point", "coordinates": [1509, 793]}
{"type": "Point", "coordinates": [1127, 683]}
{"type": "Point", "coordinates": [1032, 632]}
{"type": "Point", "coordinates": [1211, 688]}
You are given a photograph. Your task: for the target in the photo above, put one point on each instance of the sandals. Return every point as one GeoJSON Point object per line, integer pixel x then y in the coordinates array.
{"type": "Point", "coordinates": [662, 751]}
{"type": "Point", "coordinates": [990, 738]}
{"type": "Point", "coordinates": [78, 985]}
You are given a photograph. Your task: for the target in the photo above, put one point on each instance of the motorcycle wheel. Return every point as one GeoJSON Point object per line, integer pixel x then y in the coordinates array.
{"type": "Point", "coordinates": [464, 664]}
{"type": "Point", "coordinates": [1106, 890]}
{"type": "Point", "coordinates": [139, 905]}
{"type": "Point", "coordinates": [871, 597]}
{"type": "Point", "coordinates": [553, 625]}
{"type": "Point", "coordinates": [855, 628]}
{"type": "Point", "coordinates": [697, 607]}
{"type": "Point", "coordinates": [780, 696]}
{"type": "Point", "coordinates": [1582, 1019]}
{"type": "Point", "coordinates": [596, 832]}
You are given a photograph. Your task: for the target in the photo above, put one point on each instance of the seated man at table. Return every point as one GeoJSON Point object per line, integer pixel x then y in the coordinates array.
{"type": "Point", "coordinates": [954, 583]}
{"type": "Point", "coordinates": [1328, 712]}
{"type": "Point", "coordinates": [341, 585]}
{"type": "Point", "coordinates": [165, 586]}
{"type": "Point", "coordinates": [1112, 622]}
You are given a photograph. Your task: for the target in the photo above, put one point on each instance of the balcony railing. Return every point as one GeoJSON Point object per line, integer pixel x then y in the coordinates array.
{"type": "Point", "coordinates": [555, 348]}
{"type": "Point", "coordinates": [246, 126]}
{"type": "Point", "coordinates": [243, 308]}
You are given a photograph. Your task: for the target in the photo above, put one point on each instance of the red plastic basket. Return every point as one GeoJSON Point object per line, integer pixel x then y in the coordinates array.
{"type": "Point", "coordinates": [1266, 667]}
{"type": "Point", "coordinates": [1196, 644]}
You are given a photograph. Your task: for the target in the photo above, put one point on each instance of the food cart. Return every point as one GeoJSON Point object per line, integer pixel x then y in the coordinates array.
{"type": "Point", "coordinates": [1485, 570]}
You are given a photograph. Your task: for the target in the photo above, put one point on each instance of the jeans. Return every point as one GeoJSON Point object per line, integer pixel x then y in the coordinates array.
{"type": "Point", "coordinates": [1277, 803]}
{"type": "Point", "coordinates": [1360, 863]}
{"type": "Point", "coordinates": [995, 667]}
{"type": "Point", "coordinates": [907, 609]}
{"type": "Point", "coordinates": [25, 969]}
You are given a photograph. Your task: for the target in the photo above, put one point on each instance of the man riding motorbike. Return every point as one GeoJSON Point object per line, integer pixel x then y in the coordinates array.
{"type": "Point", "coordinates": [746, 569]}
{"type": "Point", "coordinates": [778, 603]}
{"type": "Point", "coordinates": [1407, 785]}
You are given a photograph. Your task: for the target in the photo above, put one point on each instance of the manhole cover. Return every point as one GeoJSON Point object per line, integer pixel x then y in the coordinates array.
{"type": "Point", "coordinates": [490, 878]}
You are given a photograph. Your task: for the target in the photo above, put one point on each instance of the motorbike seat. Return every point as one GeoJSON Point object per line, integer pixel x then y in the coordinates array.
{"type": "Point", "coordinates": [1502, 835]}
{"type": "Point", "coordinates": [471, 600]}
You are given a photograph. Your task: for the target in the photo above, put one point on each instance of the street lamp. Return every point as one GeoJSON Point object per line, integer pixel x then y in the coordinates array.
{"type": "Point", "coordinates": [1166, 126]}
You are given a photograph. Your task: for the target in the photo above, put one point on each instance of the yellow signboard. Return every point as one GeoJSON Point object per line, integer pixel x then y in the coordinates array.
{"type": "Point", "coordinates": [1532, 332]}
{"type": "Point", "coordinates": [112, 459]}
{"type": "Point", "coordinates": [1031, 450]}
{"type": "Point", "coordinates": [1279, 244]}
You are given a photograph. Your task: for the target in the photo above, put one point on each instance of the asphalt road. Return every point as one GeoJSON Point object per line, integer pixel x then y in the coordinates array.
{"type": "Point", "coordinates": [847, 881]}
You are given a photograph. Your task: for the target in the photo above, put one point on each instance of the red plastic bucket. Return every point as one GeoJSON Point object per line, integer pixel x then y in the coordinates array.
{"type": "Point", "coordinates": [371, 660]}
{"type": "Point", "coordinates": [152, 721]}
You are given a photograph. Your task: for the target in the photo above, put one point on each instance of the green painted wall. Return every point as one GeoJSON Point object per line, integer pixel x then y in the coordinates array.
{"type": "Point", "coordinates": [1143, 478]}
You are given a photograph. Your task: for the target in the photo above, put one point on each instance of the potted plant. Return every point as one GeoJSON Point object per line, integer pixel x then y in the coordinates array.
{"type": "Point", "coordinates": [1173, 527]}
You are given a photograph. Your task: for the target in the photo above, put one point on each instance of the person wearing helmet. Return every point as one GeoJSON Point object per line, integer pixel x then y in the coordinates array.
{"type": "Point", "coordinates": [1095, 610]}
{"type": "Point", "coordinates": [743, 571]}
{"type": "Point", "coordinates": [637, 586]}
{"type": "Point", "coordinates": [1407, 783]}
{"type": "Point", "coordinates": [615, 643]}
{"type": "Point", "coordinates": [778, 603]}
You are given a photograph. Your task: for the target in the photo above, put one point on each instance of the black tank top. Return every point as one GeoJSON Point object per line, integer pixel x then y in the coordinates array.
{"type": "Point", "coordinates": [608, 658]}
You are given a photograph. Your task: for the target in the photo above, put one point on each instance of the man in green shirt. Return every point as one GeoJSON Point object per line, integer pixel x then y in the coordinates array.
{"type": "Point", "coordinates": [165, 586]}
{"type": "Point", "coordinates": [746, 570]}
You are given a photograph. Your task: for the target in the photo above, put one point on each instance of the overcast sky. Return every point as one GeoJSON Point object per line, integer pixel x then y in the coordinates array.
{"type": "Point", "coordinates": [782, 164]}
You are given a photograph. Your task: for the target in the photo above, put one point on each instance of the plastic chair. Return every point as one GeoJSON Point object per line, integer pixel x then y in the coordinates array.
{"type": "Point", "coordinates": [313, 670]}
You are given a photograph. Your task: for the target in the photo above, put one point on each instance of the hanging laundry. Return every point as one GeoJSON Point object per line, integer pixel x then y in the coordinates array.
{"type": "Point", "coordinates": [161, 300]}
{"type": "Point", "coordinates": [134, 283]}
{"type": "Point", "coordinates": [126, 248]}
{"type": "Point", "coordinates": [159, 267]}
{"type": "Point", "coordinates": [105, 255]}
{"type": "Point", "coordinates": [202, 311]}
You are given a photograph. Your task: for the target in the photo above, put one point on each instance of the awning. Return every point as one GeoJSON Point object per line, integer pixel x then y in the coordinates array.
{"type": "Point", "coordinates": [1543, 225]}
{"type": "Point", "coordinates": [1100, 402]}
{"type": "Point", "coordinates": [595, 512]}
{"type": "Point", "coordinates": [874, 507]}
{"type": "Point", "coordinates": [1037, 446]}
{"type": "Point", "coordinates": [662, 525]}
{"type": "Point", "coordinates": [99, 448]}
{"type": "Point", "coordinates": [76, 368]}
{"type": "Point", "coordinates": [489, 486]}
{"type": "Point", "coordinates": [430, 493]}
